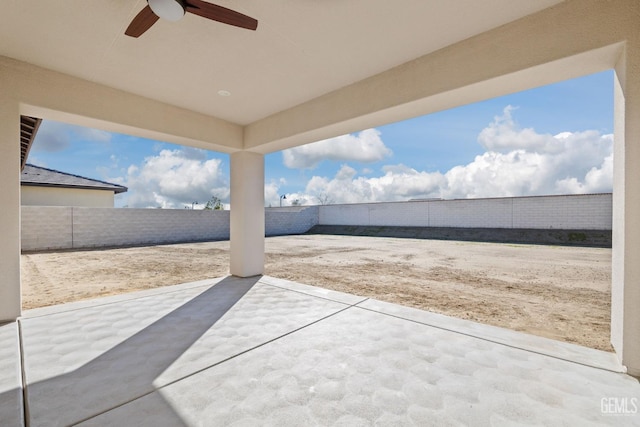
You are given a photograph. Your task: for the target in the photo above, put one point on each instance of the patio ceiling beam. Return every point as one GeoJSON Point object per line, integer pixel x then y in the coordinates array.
{"type": "Point", "coordinates": [562, 42]}
{"type": "Point", "coordinates": [51, 95]}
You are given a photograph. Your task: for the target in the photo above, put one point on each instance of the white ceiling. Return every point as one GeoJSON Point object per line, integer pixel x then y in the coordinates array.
{"type": "Point", "coordinates": [302, 48]}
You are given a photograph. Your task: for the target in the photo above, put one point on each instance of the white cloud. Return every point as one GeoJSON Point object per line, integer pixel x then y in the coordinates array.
{"type": "Point", "coordinates": [523, 162]}
{"type": "Point", "coordinates": [366, 146]}
{"type": "Point", "coordinates": [55, 136]}
{"type": "Point", "coordinates": [503, 135]}
{"type": "Point", "coordinates": [518, 162]}
{"type": "Point", "coordinates": [398, 183]}
{"type": "Point", "coordinates": [271, 194]}
{"type": "Point", "coordinates": [597, 180]}
{"type": "Point", "coordinates": [174, 179]}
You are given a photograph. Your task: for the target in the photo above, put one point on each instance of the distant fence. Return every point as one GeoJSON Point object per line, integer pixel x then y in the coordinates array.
{"type": "Point", "coordinates": [290, 220]}
{"type": "Point", "coordinates": [54, 227]}
{"type": "Point", "coordinates": [582, 212]}
{"type": "Point", "coordinates": [48, 227]}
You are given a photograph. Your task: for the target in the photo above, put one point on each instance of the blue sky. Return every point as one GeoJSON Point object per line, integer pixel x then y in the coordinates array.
{"type": "Point", "coordinates": [550, 140]}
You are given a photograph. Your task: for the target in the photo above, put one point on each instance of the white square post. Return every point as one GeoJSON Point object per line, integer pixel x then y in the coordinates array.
{"type": "Point", "coordinates": [10, 292]}
{"type": "Point", "coordinates": [247, 214]}
{"type": "Point", "coordinates": [625, 286]}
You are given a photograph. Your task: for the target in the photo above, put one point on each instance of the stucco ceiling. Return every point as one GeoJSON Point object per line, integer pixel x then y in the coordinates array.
{"type": "Point", "coordinates": [302, 49]}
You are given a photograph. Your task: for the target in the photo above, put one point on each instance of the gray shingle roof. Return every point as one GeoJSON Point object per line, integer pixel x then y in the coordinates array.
{"type": "Point", "coordinates": [43, 177]}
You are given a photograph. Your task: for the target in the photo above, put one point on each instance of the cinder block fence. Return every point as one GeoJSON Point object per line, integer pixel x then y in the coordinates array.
{"type": "Point", "coordinates": [53, 227]}
{"type": "Point", "coordinates": [582, 212]}
{"type": "Point", "coordinates": [45, 227]}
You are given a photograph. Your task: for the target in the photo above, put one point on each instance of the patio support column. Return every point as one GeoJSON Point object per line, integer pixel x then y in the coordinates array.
{"type": "Point", "coordinates": [10, 294]}
{"type": "Point", "coordinates": [247, 214]}
{"type": "Point", "coordinates": [625, 286]}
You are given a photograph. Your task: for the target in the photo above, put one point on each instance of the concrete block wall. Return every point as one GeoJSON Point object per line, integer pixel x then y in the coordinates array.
{"type": "Point", "coordinates": [46, 227]}
{"type": "Point", "coordinates": [588, 212]}
{"type": "Point", "coordinates": [290, 220]}
{"type": "Point", "coordinates": [50, 227]}
{"type": "Point", "coordinates": [584, 212]}
{"type": "Point", "coordinates": [411, 214]}
{"type": "Point", "coordinates": [358, 214]}
{"type": "Point", "coordinates": [122, 227]}
{"type": "Point", "coordinates": [477, 213]}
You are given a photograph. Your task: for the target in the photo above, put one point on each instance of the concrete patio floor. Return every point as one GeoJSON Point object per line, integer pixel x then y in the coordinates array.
{"type": "Point", "coordinates": [265, 351]}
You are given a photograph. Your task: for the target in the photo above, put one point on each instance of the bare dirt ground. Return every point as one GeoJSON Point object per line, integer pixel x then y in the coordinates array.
{"type": "Point", "coordinates": [557, 292]}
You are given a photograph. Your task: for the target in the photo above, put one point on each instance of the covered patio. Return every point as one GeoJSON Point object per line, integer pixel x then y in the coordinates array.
{"type": "Point", "coordinates": [312, 70]}
{"type": "Point", "coordinates": [266, 351]}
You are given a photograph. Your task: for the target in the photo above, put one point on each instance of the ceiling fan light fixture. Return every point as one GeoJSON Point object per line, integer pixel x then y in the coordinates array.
{"type": "Point", "coordinates": [171, 10]}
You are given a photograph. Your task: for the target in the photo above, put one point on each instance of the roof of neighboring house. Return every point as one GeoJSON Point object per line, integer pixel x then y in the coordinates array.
{"type": "Point", "coordinates": [42, 177]}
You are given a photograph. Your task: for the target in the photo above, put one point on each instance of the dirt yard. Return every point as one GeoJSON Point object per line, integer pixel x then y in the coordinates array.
{"type": "Point", "coordinates": [557, 292]}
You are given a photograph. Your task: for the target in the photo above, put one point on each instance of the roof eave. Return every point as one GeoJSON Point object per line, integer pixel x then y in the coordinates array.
{"type": "Point", "coordinates": [28, 130]}
{"type": "Point", "coordinates": [115, 189]}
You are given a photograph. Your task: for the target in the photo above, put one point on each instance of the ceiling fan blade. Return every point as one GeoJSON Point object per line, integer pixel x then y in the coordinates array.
{"type": "Point", "coordinates": [220, 14]}
{"type": "Point", "coordinates": [142, 22]}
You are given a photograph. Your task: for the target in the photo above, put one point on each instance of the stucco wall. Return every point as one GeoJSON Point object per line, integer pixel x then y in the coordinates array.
{"type": "Point", "coordinates": [54, 196]}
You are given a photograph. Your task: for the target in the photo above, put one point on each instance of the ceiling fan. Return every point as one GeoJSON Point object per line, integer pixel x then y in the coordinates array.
{"type": "Point", "coordinates": [173, 10]}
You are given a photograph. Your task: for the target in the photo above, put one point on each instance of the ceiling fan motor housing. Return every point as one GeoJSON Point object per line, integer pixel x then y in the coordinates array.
{"type": "Point", "coordinates": [170, 10]}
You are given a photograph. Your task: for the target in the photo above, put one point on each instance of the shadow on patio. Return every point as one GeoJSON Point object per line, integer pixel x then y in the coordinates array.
{"type": "Point", "coordinates": [126, 371]}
